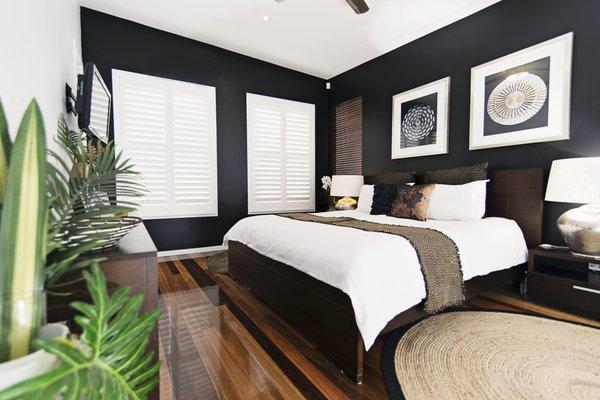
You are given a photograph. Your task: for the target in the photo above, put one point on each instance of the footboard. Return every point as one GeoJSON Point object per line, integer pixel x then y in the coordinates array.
{"type": "Point", "coordinates": [314, 308]}
{"type": "Point", "coordinates": [325, 313]}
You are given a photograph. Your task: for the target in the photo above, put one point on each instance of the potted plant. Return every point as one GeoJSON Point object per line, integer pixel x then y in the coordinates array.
{"type": "Point", "coordinates": [47, 220]}
{"type": "Point", "coordinates": [108, 360]}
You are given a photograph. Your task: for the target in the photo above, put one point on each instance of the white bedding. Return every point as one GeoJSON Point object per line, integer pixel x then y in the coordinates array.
{"type": "Point", "coordinates": [379, 272]}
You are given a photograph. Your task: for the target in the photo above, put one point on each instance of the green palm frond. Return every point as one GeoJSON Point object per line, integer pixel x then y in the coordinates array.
{"type": "Point", "coordinates": [109, 361]}
{"type": "Point", "coordinates": [91, 192]}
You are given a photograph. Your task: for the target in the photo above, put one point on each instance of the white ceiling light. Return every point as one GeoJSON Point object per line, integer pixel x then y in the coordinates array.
{"type": "Point", "coordinates": [319, 37]}
{"type": "Point", "coordinates": [265, 18]}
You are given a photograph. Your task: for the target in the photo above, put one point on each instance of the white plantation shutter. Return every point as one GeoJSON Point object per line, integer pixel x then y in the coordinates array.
{"type": "Point", "coordinates": [281, 155]}
{"type": "Point", "coordinates": [168, 129]}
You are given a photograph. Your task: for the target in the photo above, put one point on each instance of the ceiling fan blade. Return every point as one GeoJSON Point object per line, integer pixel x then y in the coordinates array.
{"type": "Point", "coordinates": [359, 6]}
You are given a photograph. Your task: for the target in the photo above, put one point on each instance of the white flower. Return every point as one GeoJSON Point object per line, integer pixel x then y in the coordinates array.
{"type": "Point", "coordinates": [326, 181]}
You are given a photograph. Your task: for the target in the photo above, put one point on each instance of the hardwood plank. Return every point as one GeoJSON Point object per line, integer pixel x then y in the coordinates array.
{"type": "Point", "coordinates": [527, 306]}
{"type": "Point", "coordinates": [480, 302]}
{"type": "Point", "coordinates": [166, 388]}
{"type": "Point", "coordinates": [190, 379]}
{"type": "Point", "coordinates": [274, 355]}
{"type": "Point", "coordinates": [172, 267]}
{"type": "Point", "coordinates": [190, 282]}
{"type": "Point", "coordinates": [372, 388]}
{"type": "Point", "coordinates": [236, 366]}
{"type": "Point", "coordinates": [198, 273]}
{"type": "Point", "coordinates": [269, 366]}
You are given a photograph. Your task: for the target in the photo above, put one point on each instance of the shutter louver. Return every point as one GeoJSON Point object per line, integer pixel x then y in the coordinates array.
{"type": "Point", "coordinates": [267, 169]}
{"type": "Point", "coordinates": [280, 155]}
{"type": "Point", "coordinates": [168, 129]}
{"type": "Point", "coordinates": [347, 147]}
{"type": "Point", "coordinates": [298, 159]}
{"type": "Point", "coordinates": [193, 153]}
{"type": "Point", "coordinates": [143, 117]}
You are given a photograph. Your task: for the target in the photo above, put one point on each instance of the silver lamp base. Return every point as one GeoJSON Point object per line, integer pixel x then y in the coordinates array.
{"type": "Point", "coordinates": [580, 227]}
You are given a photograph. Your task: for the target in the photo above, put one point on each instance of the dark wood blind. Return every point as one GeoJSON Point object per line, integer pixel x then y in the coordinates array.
{"type": "Point", "coordinates": [347, 137]}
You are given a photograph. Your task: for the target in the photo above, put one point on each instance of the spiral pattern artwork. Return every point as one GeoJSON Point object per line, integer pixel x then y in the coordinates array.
{"type": "Point", "coordinates": [418, 122]}
{"type": "Point", "coordinates": [517, 98]}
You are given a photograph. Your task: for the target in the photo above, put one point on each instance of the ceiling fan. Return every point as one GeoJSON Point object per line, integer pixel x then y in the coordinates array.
{"type": "Point", "coordinates": [359, 6]}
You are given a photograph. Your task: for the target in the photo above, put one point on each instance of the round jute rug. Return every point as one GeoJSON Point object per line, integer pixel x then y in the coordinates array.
{"type": "Point", "coordinates": [494, 355]}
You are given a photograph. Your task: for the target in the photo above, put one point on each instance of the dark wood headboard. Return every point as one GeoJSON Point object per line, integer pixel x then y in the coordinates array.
{"type": "Point", "coordinates": [518, 194]}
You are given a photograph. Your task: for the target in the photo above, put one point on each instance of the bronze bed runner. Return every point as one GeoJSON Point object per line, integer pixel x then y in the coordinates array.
{"type": "Point", "coordinates": [437, 254]}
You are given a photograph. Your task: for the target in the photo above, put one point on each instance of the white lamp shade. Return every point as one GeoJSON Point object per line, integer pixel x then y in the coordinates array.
{"type": "Point", "coordinates": [346, 185]}
{"type": "Point", "coordinates": [574, 180]}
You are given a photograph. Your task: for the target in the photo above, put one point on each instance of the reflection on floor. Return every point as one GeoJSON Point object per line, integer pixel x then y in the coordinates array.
{"type": "Point", "coordinates": [206, 352]}
{"type": "Point", "coordinates": [242, 350]}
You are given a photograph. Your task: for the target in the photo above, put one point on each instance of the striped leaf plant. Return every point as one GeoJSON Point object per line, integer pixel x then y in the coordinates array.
{"type": "Point", "coordinates": [44, 227]}
{"type": "Point", "coordinates": [23, 232]}
{"type": "Point", "coordinates": [40, 208]}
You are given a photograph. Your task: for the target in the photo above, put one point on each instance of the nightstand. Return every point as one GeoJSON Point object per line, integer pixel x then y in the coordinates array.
{"type": "Point", "coordinates": [563, 280]}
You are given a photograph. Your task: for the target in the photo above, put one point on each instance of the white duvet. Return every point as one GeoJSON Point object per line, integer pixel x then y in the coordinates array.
{"type": "Point", "coordinates": [379, 272]}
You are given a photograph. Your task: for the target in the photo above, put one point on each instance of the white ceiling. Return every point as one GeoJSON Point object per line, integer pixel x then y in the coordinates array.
{"type": "Point", "coordinates": [320, 37]}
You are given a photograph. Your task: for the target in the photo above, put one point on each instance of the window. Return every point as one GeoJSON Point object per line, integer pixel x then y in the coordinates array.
{"type": "Point", "coordinates": [281, 155]}
{"type": "Point", "coordinates": [168, 129]}
{"type": "Point", "coordinates": [347, 137]}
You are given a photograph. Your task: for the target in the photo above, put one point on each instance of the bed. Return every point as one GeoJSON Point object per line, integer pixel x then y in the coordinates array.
{"type": "Point", "coordinates": [343, 287]}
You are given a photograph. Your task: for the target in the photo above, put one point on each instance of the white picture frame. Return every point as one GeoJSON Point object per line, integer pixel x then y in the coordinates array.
{"type": "Point", "coordinates": [549, 63]}
{"type": "Point", "coordinates": [402, 147]}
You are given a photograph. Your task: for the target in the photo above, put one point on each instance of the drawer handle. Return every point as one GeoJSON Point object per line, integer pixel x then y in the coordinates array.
{"type": "Point", "coordinates": [585, 289]}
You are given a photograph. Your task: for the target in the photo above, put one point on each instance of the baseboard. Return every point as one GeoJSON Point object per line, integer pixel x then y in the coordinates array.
{"type": "Point", "coordinates": [179, 252]}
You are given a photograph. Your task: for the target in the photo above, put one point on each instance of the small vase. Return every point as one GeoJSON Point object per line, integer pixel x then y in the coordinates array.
{"type": "Point", "coordinates": [34, 364]}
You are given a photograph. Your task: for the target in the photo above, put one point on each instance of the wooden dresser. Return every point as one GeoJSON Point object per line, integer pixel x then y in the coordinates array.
{"type": "Point", "coordinates": [133, 262]}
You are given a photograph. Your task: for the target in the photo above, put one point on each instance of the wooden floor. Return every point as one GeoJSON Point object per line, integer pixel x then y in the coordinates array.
{"type": "Point", "coordinates": [218, 341]}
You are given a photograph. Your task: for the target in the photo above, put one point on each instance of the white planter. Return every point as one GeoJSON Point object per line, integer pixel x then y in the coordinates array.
{"type": "Point", "coordinates": [34, 364]}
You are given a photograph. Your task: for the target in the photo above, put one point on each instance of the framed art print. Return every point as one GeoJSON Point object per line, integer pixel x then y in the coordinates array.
{"type": "Point", "coordinates": [420, 120]}
{"type": "Point", "coordinates": [523, 97]}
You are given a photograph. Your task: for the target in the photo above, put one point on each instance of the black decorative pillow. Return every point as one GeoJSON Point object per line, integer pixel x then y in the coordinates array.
{"type": "Point", "coordinates": [412, 202]}
{"type": "Point", "coordinates": [458, 176]}
{"type": "Point", "coordinates": [384, 195]}
{"type": "Point", "coordinates": [396, 178]}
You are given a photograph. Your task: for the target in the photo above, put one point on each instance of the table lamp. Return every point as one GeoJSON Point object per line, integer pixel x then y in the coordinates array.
{"type": "Point", "coordinates": [347, 186]}
{"type": "Point", "coordinates": [577, 180]}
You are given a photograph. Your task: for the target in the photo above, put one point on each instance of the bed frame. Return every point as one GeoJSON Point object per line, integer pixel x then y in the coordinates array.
{"type": "Point", "coordinates": [325, 314]}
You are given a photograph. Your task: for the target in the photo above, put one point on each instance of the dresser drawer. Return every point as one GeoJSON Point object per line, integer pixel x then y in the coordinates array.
{"type": "Point", "coordinates": [566, 293]}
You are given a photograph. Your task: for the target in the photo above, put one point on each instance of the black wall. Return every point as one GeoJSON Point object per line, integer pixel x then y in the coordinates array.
{"type": "Point", "coordinates": [112, 42]}
{"type": "Point", "coordinates": [501, 29]}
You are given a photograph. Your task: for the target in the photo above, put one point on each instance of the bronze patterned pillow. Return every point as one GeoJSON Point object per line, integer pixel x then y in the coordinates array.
{"type": "Point", "coordinates": [412, 202]}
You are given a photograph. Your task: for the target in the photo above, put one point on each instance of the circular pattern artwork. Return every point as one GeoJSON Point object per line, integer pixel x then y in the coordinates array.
{"type": "Point", "coordinates": [517, 98]}
{"type": "Point", "coordinates": [418, 122]}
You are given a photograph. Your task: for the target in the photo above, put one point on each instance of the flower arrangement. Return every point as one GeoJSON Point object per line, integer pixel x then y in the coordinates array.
{"type": "Point", "coordinates": [327, 201]}
{"type": "Point", "coordinates": [326, 181]}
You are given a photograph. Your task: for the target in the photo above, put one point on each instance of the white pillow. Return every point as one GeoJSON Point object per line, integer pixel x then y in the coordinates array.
{"type": "Point", "coordinates": [458, 202]}
{"type": "Point", "coordinates": [365, 198]}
